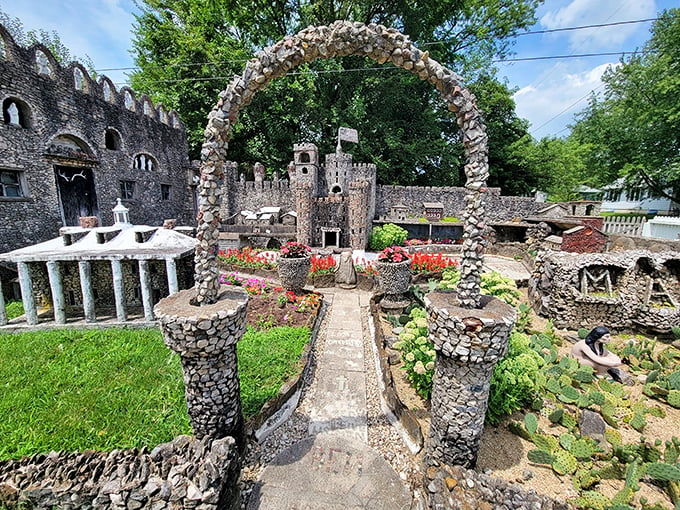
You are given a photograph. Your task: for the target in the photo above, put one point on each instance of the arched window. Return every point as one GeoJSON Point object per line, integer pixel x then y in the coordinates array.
{"type": "Point", "coordinates": [15, 113]}
{"type": "Point", "coordinates": [304, 157]}
{"type": "Point", "coordinates": [129, 101]}
{"type": "Point", "coordinates": [144, 162]}
{"type": "Point", "coordinates": [78, 79]}
{"type": "Point", "coordinates": [112, 140]}
{"type": "Point", "coordinates": [107, 91]}
{"type": "Point", "coordinates": [43, 63]}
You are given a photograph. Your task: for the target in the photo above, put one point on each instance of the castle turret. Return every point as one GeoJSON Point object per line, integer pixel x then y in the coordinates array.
{"type": "Point", "coordinates": [306, 160]}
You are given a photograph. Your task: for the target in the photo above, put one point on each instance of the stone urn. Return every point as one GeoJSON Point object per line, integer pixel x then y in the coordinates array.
{"type": "Point", "coordinates": [293, 272]}
{"type": "Point", "coordinates": [395, 280]}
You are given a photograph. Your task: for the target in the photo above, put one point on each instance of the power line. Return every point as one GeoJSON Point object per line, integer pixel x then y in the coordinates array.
{"type": "Point", "coordinates": [564, 29]}
{"type": "Point", "coordinates": [567, 108]}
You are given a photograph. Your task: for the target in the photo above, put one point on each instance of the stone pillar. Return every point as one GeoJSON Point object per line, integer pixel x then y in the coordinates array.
{"type": "Point", "coordinates": [26, 285]}
{"type": "Point", "coordinates": [3, 311]}
{"type": "Point", "coordinates": [171, 270]}
{"type": "Point", "coordinates": [57, 288]}
{"type": "Point", "coordinates": [205, 338]}
{"type": "Point", "coordinates": [119, 290]}
{"type": "Point", "coordinates": [468, 342]}
{"type": "Point", "coordinates": [85, 271]}
{"type": "Point", "coordinates": [145, 284]}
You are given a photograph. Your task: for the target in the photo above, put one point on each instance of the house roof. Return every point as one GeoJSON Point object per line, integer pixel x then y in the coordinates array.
{"type": "Point", "coordinates": [433, 205]}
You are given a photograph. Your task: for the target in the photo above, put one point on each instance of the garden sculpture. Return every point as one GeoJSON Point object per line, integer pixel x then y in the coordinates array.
{"type": "Point", "coordinates": [592, 351]}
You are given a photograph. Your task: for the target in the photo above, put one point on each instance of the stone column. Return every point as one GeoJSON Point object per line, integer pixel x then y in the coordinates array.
{"type": "Point", "coordinates": [205, 338]}
{"type": "Point", "coordinates": [119, 290]}
{"type": "Point", "coordinates": [3, 311]}
{"type": "Point", "coordinates": [171, 270]}
{"type": "Point", "coordinates": [145, 284]}
{"type": "Point", "coordinates": [85, 271]}
{"type": "Point", "coordinates": [468, 342]}
{"type": "Point", "coordinates": [27, 298]}
{"type": "Point", "coordinates": [57, 288]}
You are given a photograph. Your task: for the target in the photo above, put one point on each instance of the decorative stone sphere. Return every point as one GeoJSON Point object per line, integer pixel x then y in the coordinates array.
{"type": "Point", "coordinates": [395, 277]}
{"type": "Point", "coordinates": [293, 272]}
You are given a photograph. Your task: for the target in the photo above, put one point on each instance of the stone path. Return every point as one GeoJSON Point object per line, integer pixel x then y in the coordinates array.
{"type": "Point", "coordinates": [335, 468]}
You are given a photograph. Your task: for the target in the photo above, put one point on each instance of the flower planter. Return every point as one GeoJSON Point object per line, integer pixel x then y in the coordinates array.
{"type": "Point", "coordinates": [365, 281]}
{"type": "Point", "coordinates": [394, 277]}
{"type": "Point", "coordinates": [293, 272]}
{"type": "Point", "coordinates": [321, 281]}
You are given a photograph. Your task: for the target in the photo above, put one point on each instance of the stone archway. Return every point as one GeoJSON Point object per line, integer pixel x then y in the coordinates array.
{"type": "Point", "coordinates": [340, 39]}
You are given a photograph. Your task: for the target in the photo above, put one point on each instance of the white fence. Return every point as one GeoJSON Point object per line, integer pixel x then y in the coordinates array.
{"type": "Point", "coordinates": [631, 226]}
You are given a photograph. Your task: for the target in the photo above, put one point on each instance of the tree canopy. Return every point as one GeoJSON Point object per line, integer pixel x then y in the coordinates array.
{"type": "Point", "coordinates": [188, 50]}
{"type": "Point", "coordinates": [633, 131]}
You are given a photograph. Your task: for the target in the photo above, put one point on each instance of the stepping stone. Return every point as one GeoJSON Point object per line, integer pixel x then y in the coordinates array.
{"type": "Point", "coordinates": [326, 474]}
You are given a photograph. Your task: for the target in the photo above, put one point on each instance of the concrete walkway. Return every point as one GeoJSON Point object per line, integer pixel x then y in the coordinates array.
{"type": "Point", "coordinates": [335, 468]}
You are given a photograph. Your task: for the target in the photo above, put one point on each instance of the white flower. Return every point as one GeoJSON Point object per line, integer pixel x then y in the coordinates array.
{"type": "Point", "coordinates": [418, 368]}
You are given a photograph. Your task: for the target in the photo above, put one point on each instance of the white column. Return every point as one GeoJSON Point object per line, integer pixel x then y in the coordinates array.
{"type": "Point", "coordinates": [3, 311]}
{"type": "Point", "coordinates": [58, 303]}
{"type": "Point", "coordinates": [85, 270]}
{"type": "Point", "coordinates": [119, 290]}
{"type": "Point", "coordinates": [26, 285]}
{"type": "Point", "coordinates": [171, 270]}
{"type": "Point", "coordinates": [145, 283]}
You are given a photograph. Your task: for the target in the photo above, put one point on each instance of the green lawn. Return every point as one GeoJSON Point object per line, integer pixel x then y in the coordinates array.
{"type": "Point", "coordinates": [118, 388]}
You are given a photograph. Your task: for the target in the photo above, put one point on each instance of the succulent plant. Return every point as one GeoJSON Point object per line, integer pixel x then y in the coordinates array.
{"type": "Point", "coordinates": [568, 421]}
{"type": "Point", "coordinates": [531, 423]}
{"type": "Point", "coordinates": [545, 442]}
{"type": "Point", "coordinates": [613, 437]}
{"type": "Point", "coordinates": [663, 472]}
{"type": "Point", "coordinates": [673, 398]}
{"type": "Point", "coordinates": [538, 456]}
{"type": "Point", "coordinates": [556, 415]}
{"type": "Point", "coordinates": [638, 422]}
{"type": "Point", "coordinates": [566, 440]}
{"type": "Point", "coordinates": [582, 448]}
{"type": "Point", "coordinates": [568, 395]}
{"type": "Point", "coordinates": [564, 463]}
{"type": "Point", "coordinates": [592, 499]}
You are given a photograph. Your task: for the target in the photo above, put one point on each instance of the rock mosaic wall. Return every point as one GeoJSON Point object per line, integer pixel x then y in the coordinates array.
{"type": "Point", "coordinates": [185, 473]}
{"type": "Point", "coordinates": [118, 137]}
{"type": "Point", "coordinates": [619, 290]}
{"type": "Point", "coordinates": [342, 38]}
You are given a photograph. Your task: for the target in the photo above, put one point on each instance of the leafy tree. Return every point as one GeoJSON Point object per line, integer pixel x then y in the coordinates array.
{"type": "Point", "coordinates": [187, 51]}
{"type": "Point", "coordinates": [634, 131]}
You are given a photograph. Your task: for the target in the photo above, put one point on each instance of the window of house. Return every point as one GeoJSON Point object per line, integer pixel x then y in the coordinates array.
{"type": "Point", "coordinates": [165, 192]}
{"type": "Point", "coordinates": [143, 162]}
{"type": "Point", "coordinates": [129, 100]}
{"type": "Point", "coordinates": [127, 190]}
{"type": "Point", "coordinates": [78, 79]}
{"type": "Point", "coordinates": [107, 91]}
{"type": "Point", "coordinates": [43, 64]}
{"type": "Point", "coordinates": [10, 184]}
{"type": "Point", "coordinates": [112, 140]}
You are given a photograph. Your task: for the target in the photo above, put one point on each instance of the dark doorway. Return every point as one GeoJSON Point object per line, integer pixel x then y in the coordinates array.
{"type": "Point", "coordinates": [77, 196]}
{"type": "Point", "coordinates": [330, 238]}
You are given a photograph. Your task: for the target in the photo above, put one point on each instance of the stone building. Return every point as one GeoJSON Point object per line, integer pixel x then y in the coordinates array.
{"type": "Point", "coordinates": [71, 146]}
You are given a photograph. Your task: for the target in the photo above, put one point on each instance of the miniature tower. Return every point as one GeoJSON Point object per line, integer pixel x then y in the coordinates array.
{"type": "Point", "coordinates": [306, 158]}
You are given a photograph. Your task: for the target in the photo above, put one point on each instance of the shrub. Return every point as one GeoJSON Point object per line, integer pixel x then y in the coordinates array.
{"type": "Point", "coordinates": [417, 352]}
{"type": "Point", "coordinates": [492, 284]}
{"type": "Point", "coordinates": [387, 235]}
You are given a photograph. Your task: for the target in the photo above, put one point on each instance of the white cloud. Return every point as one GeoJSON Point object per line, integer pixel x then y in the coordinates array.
{"type": "Point", "coordinates": [587, 12]}
{"type": "Point", "coordinates": [551, 103]}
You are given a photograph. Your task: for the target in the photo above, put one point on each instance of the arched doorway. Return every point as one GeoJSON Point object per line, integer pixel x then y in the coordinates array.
{"type": "Point", "coordinates": [342, 38]}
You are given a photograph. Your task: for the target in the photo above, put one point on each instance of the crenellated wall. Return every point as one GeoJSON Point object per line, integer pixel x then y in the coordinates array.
{"type": "Point", "coordinates": [70, 141]}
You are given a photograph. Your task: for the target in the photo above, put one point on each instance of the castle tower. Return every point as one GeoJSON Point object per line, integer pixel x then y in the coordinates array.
{"type": "Point", "coordinates": [359, 215]}
{"type": "Point", "coordinates": [338, 173]}
{"type": "Point", "coordinates": [306, 160]}
{"type": "Point", "coordinates": [304, 204]}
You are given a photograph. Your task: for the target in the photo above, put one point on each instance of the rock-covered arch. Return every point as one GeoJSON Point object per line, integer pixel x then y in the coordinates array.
{"type": "Point", "coordinates": [340, 39]}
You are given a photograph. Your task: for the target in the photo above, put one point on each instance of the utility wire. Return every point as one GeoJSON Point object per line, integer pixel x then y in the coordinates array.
{"type": "Point", "coordinates": [582, 27]}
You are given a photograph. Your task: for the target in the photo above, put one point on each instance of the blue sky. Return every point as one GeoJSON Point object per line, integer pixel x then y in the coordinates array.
{"type": "Point", "coordinates": [548, 93]}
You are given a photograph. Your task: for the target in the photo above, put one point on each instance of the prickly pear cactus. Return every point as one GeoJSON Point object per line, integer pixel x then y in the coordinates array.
{"type": "Point", "coordinates": [582, 449]}
{"type": "Point", "coordinates": [568, 421]}
{"type": "Point", "coordinates": [565, 463]}
{"type": "Point", "coordinates": [531, 423]}
{"type": "Point", "coordinates": [594, 500]}
{"type": "Point", "coordinates": [663, 472]}
{"type": "Point", "coordinates": [673, 398]}
{"type": "Point", "coordinates": [545, 442]}
{"type": "Point", "coordinates": [556, 416]}
{"type": "Point", "coordinates": [568, 395]}
{"type": "Point", "coordinates": [613, 437]}
{"type": "Point", "coordinates": [566, 440]}
{"type": "Point", "coordinates": [540, 457]}
{"type": "Point", "coordinates": [638, 422]}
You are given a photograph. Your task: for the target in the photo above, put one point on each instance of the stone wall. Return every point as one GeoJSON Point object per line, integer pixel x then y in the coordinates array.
{"type": "Point", "coordinates": [620, 290]}
{"type": "Point", "coordinates": [185, 473]}
{"type": "Point", "coordinates": [111, 129]}
{"type": "Point", "coordinates": [499, 208]}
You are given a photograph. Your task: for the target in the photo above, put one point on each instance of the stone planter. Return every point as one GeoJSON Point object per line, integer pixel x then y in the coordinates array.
{"type": "Point", "coordinates": [322, 281]}
{"type": "Point", "coordinates": [469, 342]}
{"type": "Point", "coordinates": [293, 272]}
{"type": "Point", "coordinates": [394, 279]}
{"type": "Point", "coordinates": [365, 281]}
{"type": "Point", "coordinates": [205, 338]}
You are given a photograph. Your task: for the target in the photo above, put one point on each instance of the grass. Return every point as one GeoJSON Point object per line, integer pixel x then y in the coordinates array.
{"type": "Point", "coordinates": [73, 390]}
{"type": "Point", "coordinates": [266, 360]}
{"type": "Point", "coordinates": [14, 309]}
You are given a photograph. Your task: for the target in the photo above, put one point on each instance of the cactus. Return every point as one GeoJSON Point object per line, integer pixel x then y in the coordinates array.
{"type": "Point", "coordinates": [531, 423]}
{"type": "Point", "coordinates": [565, 380]}
{"type": "Point", "coordinates": [623, 496]}
{"type": "Point", "coordinates": [584, 478]}
{"type": "Point", "coordinates": [672, 451]}
{"type": "Point", "coordinates": [596, 397]}
{"type": "Point", "coordinates": [658, 412]}
{"type": "Point", "coordinates": [584, 400]}
{"type": "Point", "coordinates": [568, 421]}
{"type": "Point", "coordinates": [652, 376]}
{"type": "Point", "coordinates": [553, 386]}
{"type": "Point", "coordinates": [592, 499]}
{"type": "Point", "coordinates": [517, 429]}
{"type": "Point", "coordinates": [582, 449]}
{"type": "Point", "coordinates": [556, 416]}
{"type": "Point", "coordinates": [583, 333]}
{"type": "Point", "coordinates": [612, 471]}
{"type": "Point", "coordinates": [540, 457]}
{"type": "Point", "coordinates": [633, 474]}
{"type": "Point", "coordinates": [638, 422]}
{"type": "Point", "coordinates": [565, 463]}
{"type": "Point", "coordinates": [650, 453]}
{"type": "Point", "coordinates": [568, 395]}
{"type": "Point", "coordinates": [613, 437]}
{"type": "Point", "coordinates": [566, 440]}
{"type": "Point", "coordinates": [673, 398]}
{"type": "Point", "coordinates": [663, 472]}
{"type": "Point", "coordinates": [607, 411]}
{"type": "Point", "coordinates": [545, 442]}
{"type": "Point", "coordinates": [584, 375]}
